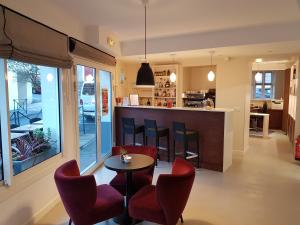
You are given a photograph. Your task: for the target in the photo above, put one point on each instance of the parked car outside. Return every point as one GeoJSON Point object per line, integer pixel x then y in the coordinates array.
{"type": "Point", "coordinates": [87, 99]}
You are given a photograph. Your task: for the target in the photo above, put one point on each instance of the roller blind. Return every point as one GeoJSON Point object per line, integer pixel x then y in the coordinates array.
{"type": "Point", "coordinates": [28, 41]}
{"type": "Point", "coordinates": [81, 49]}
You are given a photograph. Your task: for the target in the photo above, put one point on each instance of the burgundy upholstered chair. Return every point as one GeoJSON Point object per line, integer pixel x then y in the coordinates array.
{"type": "Point", "coordinates": [85, 202]}
{"type": "Point", "coordinates": [139, 178]}
{"type": "Point", "coordinates": [165, 202]}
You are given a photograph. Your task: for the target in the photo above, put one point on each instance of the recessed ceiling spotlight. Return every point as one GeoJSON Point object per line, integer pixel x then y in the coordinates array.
{"type": "Point", "coordinates": [258, 60]}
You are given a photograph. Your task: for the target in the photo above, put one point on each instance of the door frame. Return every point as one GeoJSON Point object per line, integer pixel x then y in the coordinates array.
{"type": "Point", "coordinates": [98, 67]}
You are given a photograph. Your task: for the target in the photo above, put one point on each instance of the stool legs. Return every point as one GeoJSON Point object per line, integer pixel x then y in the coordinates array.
{"type": "Point", "coordinates": [157, 146]}
{"type": "Point", "coordinates": [133, 139]}
{"type": "Point", "coordinates": [123, 138]}
{"type": "Point", "coordinates": [174, 149]}
{"type": "Point", "coordinates": [198, 152]}
{"type": "Point", "coordinates": [168, 146]}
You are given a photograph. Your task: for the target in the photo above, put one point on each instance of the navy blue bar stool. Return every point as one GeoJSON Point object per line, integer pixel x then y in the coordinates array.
{"type": "Point", "coordinates": [184, 136]}
{"type": "Point", "coordinates": [129, 127]}
{"type": "Point", "coordinates": [152, 131]}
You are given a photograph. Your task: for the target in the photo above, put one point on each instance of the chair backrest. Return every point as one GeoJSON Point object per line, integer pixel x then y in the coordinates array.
{"type": "Point", "coordinates": [173, 190]}
{"type": "Point", "coordinates": [146, 150]}
{"type": "Point", "coordinates": [128, 125]}
{"type": "Point", "coordinates": [179, 130]}
{"type": "Point", "coordinates": [78, 193]}
{"type": "Point", "coordinates": [31, 121]}
{"type": "Point", "coordinates": [150, 128]}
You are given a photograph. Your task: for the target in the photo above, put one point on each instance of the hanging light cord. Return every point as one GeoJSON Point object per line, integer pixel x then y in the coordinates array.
{"type": "Point", "coordinates": [145, 30]}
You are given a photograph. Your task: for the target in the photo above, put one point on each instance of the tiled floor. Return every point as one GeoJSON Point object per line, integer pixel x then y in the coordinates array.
{"type": "Point", "coordinates": [261, 188]}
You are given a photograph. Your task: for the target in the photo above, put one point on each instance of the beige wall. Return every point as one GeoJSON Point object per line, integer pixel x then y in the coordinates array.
{"type": "Point", "coordinates": [233, 89]}
{"type": "Point", "coordinates": [195, 78]}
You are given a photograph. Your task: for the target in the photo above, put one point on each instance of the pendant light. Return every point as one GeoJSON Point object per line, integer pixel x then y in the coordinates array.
{"type": "Point", "coordinates": [211, 75]}
{"type": "Point", "coordinates": [258, 75]}
{"type": "Point", "coordinates": [173, 74]}
{"type": "Point", "coordinates": [145, 76]}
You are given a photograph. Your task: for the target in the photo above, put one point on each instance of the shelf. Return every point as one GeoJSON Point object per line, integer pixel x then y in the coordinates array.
{"type": "Point", "coordinates": [194, 99]}
{"type": "Point", "coordinates": [165, 88]}
{"type": "Point", "coordinates": [145, 96]}
{"type": "Point", "coordinates": [164, 97]}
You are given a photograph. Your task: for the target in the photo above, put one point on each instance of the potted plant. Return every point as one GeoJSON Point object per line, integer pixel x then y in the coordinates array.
{"type": "Point", "coordinates": [30, 150]}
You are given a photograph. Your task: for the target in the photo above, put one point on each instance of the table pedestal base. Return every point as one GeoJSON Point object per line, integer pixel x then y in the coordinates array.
{"type": "Point", "coordinates": [125, 219]}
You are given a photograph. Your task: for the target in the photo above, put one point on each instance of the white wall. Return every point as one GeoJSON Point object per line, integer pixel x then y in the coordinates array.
{"type": "Point", "coordinates": [33, 191]}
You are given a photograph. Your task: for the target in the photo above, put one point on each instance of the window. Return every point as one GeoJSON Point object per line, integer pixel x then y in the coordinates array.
{"type": "Point", "coordinates": [33, 94]}
{"type": "Point", "coordinates": [263, 85]}
{"type": "Point", "coordinates": [1, 160]}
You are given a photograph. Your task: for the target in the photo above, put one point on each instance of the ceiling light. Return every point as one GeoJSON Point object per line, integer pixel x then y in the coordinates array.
{"type": "Point", "coordinates": [258, 60]}
{"type": "Point", "coordinates": [173, 77]}
{"type": "Point", "coordinates": [173, 74]}
{"type": "Point", "coordinates": [145, 76]}
{"type": "Point", "coordinates": [211, 75]}
{"type": "Point", "coordinates": [111, 42]}
{"type": "Point", "coordinates": [258, 77]}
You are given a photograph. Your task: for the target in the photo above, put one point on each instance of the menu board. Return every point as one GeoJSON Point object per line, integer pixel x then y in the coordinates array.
{"type": "Point", "coordinates": [104, 101]}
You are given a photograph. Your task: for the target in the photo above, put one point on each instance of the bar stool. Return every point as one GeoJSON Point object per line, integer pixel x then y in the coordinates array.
{"type": "Point", "coordinates": [181, 134]}
{"type": "Point", "coordinates": [129, 127]}
{"type": "Point", "coordinates": [152, 131]}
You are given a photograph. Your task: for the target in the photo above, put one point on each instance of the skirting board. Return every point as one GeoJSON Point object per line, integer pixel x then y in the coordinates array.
{"type": "Point", "coordinates": [43, 211]}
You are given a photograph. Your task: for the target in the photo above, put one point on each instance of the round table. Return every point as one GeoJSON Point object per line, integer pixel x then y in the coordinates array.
{"type": "Point", "coordinates": [138, 162]}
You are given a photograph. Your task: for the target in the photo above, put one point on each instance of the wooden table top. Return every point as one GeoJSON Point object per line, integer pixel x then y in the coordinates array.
{"type": "Point", "coordinates": [138, 162]}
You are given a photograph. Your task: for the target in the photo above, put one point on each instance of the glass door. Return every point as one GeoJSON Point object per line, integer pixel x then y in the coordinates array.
{"type": "Point", "coordinates": [87, 123]}
{"type": "Point", "coordinates": [106, 112]}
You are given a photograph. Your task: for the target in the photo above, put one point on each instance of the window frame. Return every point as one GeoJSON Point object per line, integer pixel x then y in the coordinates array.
{"type": "Point", "coordinates": [263, 85]}
{"type": "Point", "coordinates": [35, 172]}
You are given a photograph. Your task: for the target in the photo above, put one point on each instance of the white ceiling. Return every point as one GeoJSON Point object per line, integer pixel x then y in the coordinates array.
{"type": "Point", "coordinates": [269, 52]}
{"type": "Point", "coordinates": [125, 18]}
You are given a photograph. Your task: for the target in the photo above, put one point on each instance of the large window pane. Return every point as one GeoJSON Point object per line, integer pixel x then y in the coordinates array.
{"type": "Point", "coordinates": [106, 112]}
{"type": "Point", "coordinates": [1, 159]}
{"type": "Point", "coordinates": [268, 78]}
{"type": "Point", "coordinates": [268, 91]}
{"type": "Point", "coordinates": [86, 116]}
{"type": "Point", "coordinates": [258, 91]}
{"type": "Point", "coordinates": [34, 113]}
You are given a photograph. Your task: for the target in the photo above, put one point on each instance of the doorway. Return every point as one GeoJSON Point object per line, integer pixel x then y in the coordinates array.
{"type": "Point", "coordinates": [94, 114]}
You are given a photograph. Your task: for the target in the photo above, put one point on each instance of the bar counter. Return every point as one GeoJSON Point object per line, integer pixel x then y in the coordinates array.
{"type": "Point", "coordinates": [214, 126]}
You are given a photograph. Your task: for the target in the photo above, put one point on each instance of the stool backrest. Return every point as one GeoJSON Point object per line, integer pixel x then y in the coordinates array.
{"type": "Point", "coordinates": [128, 125]}
{"type": "Point", "coordinates": [150, 128]}
{"type": "Point", "coordinates": [179, 130]}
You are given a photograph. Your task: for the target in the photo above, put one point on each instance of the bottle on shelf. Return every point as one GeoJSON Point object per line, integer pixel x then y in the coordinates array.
{"type": "Point", "coordinates": [148, 102]}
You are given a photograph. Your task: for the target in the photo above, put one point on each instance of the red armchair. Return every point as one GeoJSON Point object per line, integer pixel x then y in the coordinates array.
{"type": "Point", "coordinates": [85, 202]}
{"type": "Point", "coordinates": [139, 178]}
{"type": "Point", "coordinates": [165, 202]}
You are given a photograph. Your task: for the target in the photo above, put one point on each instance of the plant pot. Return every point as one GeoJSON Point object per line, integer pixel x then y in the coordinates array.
{"type": "Point", "coordinates": [21, 165]}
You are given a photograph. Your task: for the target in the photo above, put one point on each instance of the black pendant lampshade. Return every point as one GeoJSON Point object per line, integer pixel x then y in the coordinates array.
{"type": "Point", "coordinates": [145, 76]}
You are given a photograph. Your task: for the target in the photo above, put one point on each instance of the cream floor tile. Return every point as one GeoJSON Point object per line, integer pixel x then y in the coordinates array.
{"type": "Point", "coordinates": [261, 188]}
